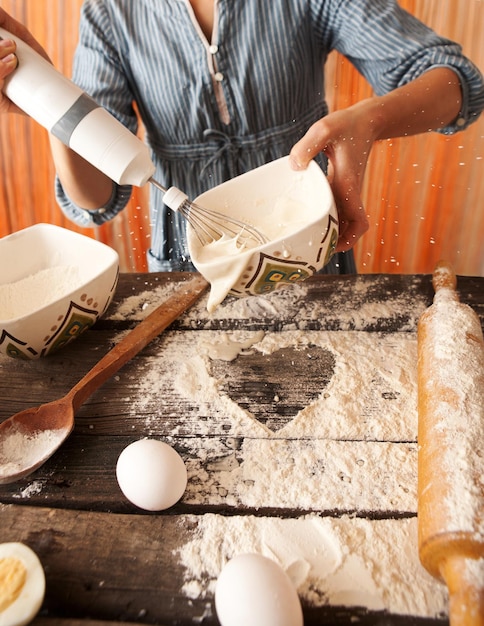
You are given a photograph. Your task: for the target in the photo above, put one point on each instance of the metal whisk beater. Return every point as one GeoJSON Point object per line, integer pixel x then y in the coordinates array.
{"type": "Point", "coordinates": [210, 225]}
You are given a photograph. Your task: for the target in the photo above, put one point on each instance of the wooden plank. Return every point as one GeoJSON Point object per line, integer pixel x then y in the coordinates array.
{"type": "Point", "coordinates": [382, 302]}
{"type": "Point", "coordinates": [175, 386]}
{"type": "Point", "coordinates": [56, 621]}
{"type": "Point", "coordinates": [335, 438]}
{"type": "Point", "coordinates": [161, 569]}
{"type": "Point", "coordinates": [345, 428]}
{"type": "Point", "coordinates": [276, 387]}
{"type": "Point", "coordinates": [273, 384]}
{"type": "Point", "coordinates": [272, 476]}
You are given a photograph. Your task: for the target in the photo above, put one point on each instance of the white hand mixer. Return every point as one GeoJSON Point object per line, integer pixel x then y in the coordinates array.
{"type": "Point", "coordinates": [72, 116]}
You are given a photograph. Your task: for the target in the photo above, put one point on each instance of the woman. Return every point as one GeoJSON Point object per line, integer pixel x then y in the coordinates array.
{"type": "Point", "coordinates": [224, 86]}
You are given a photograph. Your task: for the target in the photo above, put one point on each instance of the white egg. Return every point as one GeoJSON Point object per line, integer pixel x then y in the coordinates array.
{"type": "Point", "coordinates": [22, 584]}
{"type": "Point", "coordinates": [253, 589]}
{"type": "Point", "coordinates": [151, 474]}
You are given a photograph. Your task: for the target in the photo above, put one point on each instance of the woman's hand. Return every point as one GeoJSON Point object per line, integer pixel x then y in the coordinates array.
{"type": "Point", "coordinates": [86, 185]}
{"type": "Point", "coordinates": [8, 60]}
{"type": "Point", "coordinates": [429, 102]}
{"type": "Point", "coordinates": [346, 138]}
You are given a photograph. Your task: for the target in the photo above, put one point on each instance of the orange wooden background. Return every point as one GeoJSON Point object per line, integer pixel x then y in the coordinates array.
{"type": "Point", "coordinates": [424, 195]}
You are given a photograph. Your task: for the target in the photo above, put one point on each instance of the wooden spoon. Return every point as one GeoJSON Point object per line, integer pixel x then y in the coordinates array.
{"type": "Point", "coordinates": [30, 437]}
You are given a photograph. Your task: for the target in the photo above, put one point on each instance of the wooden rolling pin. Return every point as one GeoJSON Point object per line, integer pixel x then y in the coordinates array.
{"type": "Point", "coordinates": [451, 448]}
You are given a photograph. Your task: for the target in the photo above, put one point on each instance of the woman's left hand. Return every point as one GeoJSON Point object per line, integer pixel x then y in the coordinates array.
{"type": "Point", "coordinates": [346, 138]}
{"type": "Point", "coordinates": [430, 102]}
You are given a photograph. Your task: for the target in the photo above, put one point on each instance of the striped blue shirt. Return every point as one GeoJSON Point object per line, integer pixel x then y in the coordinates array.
{"type": "Point", "coordinates": [215, 109]}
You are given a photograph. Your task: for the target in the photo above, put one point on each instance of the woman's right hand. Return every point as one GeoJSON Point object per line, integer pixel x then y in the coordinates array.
{"type": "Point", "coordinates": [8, 60]}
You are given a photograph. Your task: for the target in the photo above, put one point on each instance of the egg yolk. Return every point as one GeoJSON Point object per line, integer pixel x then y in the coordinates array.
{"type": "Point", "coordinates": [12, 580]}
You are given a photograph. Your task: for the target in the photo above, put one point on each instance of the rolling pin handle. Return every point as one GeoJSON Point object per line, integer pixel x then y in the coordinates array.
{"type": "Point", "coordinates": [466, 600]}
{"type": "Point", "coordinates": [444, 277]}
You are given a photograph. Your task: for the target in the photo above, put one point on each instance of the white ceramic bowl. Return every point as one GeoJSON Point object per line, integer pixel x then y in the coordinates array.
{"type": "Point", "coordinates": [296, 210]}
{"type": "Point", "coordinates": [54, 284]}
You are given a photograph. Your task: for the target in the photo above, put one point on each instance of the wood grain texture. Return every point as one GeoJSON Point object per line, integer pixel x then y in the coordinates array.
{"type": "Point", "coordinates": [130, 571]}
{"type": "Point", "coordinates": [107, 561]}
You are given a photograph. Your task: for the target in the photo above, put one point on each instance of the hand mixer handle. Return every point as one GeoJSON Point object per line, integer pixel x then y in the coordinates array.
{"type": "Point", "coordinates": [67, 112]}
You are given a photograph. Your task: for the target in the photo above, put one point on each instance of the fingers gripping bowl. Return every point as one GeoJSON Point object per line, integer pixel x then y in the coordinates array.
{"type": "Point", "coordinates": [296, 212]}
{"type": "Point", "coordinates": [54, 284]}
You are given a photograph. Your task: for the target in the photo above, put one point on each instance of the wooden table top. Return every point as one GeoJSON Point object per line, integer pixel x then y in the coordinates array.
{"type": "Point", "coordinates": [311, 432]}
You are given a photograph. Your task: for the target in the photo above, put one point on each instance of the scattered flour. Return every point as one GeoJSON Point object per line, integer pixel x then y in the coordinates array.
{"type": "Point", "coordinates": [33, 489]}
{"type": "Point", "coordinates": [37, 290]}
{"type": "Point", "coordinates": [139, 306]}
{"type": "Point", "coordinates": [331, 475]}
{"type": "Point", "coordinates": [18, 450]}
{"type": "Point", "coordinates": [345, 561]}
{"type": "Point", "coordinates": [371, 396]}
{"type": "Point", "coordinates": [339, 447]}
{"type": "Point", "coordinates": [291, 308]}
{"type": "Point", "coordinates": [291, 304]}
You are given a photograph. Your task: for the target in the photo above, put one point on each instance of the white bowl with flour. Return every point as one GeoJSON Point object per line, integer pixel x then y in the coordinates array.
{"type": "Point", "coordinates": [54, 284]}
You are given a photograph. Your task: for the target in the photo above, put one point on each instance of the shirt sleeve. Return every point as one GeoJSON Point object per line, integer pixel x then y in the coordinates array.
{"type": "Point", "coordinates": [88, 218]}
{"type": "Point", "coordinates": [98, 70]}
{"type": "Point", "coordinates": [390, 48]}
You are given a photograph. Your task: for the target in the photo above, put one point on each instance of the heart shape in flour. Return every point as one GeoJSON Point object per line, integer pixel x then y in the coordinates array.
{"type": "Point", "coordinates": [275, 387]}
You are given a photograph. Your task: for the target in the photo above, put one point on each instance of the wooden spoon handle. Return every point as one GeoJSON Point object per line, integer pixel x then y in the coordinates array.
{"type": "Point", "coordinates": [137, 339]}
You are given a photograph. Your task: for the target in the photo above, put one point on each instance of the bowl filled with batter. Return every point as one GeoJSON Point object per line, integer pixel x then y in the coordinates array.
{"type": "Point", "coordinates": [296, 212]}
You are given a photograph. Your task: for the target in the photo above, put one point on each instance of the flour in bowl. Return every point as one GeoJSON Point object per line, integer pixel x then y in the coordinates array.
{"type": "Point", "coordinates": [33, 292]}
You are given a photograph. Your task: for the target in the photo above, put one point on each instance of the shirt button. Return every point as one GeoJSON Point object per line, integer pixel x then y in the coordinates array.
{"type": "Point", "coordinates": [460, 121]}
{"type": "Point", "coordinates": [213, 49]}
{"type": "Point", "coordinates": [218, 77]}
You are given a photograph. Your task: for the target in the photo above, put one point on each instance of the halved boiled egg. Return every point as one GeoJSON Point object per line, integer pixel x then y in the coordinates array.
{"type": "Point", "coordinates": [22, 584]}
